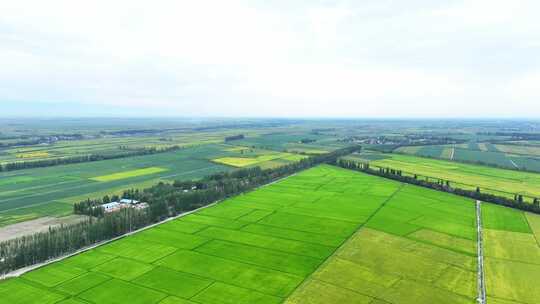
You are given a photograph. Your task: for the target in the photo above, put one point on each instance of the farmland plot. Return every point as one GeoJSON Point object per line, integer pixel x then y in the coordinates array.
{"type": "Point", "coordinates": [500, 180]}
{"type": "Point", "coordinates": [512, 255]}
{"type": "Point", "coordinates": [253, 248]}
{"type": "Point", "coordinates": [419, 248]}
{"type": "Point", "coordinates": [31, 193]}
{"type": "Point", "coordinates": [325, 235]}
{"type": "Point", "coordinates": [260, 158]}
{"type": "Point", "coordinates": [504, 156]}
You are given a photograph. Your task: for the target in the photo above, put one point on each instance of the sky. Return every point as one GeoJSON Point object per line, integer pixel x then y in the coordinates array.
{"type": "Point", "coordinates": [281, 58]}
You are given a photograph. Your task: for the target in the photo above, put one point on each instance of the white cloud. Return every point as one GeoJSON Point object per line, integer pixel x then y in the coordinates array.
{"type": "Point", "coordinates": [274, 58]}
{"type": "Point", "coordinates": [525, 88]}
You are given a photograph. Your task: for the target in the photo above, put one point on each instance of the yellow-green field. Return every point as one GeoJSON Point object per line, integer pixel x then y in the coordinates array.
{"type": "Point", "coordinates": [326, 235]}
{"type": "Point", "coordinates": [512, 255]}
{"type": "Point", "coordinates": [488, 178]}
{"type": "Point", "coordinates": [128, 174]}
{"type": "Point", "coordinates": [256, 160]}
{"type": "Point", "coordinates": [37, 154]}
{"type": "Point", "coordinates": [419, 248]}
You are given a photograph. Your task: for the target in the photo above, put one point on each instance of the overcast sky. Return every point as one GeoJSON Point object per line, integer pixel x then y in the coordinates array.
{"type": "Point", "coordinates": [373, 58]}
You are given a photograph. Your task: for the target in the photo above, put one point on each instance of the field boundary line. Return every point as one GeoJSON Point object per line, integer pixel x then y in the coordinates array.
{"type": "Point", "coordinates": [326, 261]}
{"type": "Point", "coordinates": [401, 186]}
{"type": "Point", "coordinates": [21, 271]}
{"type": "Point", "coordinates": [532, 230]}
{"type": "Point", "coordinates": [513, 163]}
{"type": "Point", "coordinates": [481, 282]}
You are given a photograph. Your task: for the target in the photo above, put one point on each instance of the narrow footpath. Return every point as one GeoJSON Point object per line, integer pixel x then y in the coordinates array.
{"type": "Point", "coordinates": [481, 283]}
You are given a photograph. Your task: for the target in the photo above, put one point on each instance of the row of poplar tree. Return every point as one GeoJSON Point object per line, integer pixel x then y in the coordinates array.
{"type": "Point", "coordinates": [443, 185]}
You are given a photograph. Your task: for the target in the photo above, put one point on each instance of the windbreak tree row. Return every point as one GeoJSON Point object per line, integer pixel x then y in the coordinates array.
{"type": "Point", "coordinates": [443, 185]}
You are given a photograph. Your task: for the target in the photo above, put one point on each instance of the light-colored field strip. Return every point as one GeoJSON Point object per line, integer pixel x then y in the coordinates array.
{"type": "Point", "coordinates": [453, 151]}
{"type": "Point", "coordinates": [513, 163]}
{"type": "Point", "coordinates": [128, 174]}
{"type": "Point", "coordinates": [479, 244]}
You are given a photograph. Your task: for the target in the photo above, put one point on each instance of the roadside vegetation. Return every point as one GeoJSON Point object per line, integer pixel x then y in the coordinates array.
{"type": "Point", "coordinates": [512, 255]}
{"type": "Point", "coordinates": [419, 248]}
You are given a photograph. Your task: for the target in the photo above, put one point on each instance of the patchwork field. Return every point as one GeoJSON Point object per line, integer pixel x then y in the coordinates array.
{"type": "Point", "coordinates": [258, 157]}
{"type": "Point", "coordinates": [293, 142]}
{"type": "Point", "coordinates": [51, 191]}
{"type": "Point", "coordinates": [419, 248]}
{"type": "Point", "coordinates": [512, 255]}
{"type": "Point", "coordinates": [325, 235]}
{"type": "Point", "coordinates": [498, 181]}
{"type": "Point", "coordinates": [500, 155]}
{"type": "Point", "coordinates": [25, 194]}
{"type": "Point", "coordinates": [117, 144]}
{"type": "Point", "coordinates": [254, 248]}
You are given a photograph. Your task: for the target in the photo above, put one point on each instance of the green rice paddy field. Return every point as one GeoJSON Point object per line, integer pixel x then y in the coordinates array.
{"type": "Point", "coordinates": [325, 235]}
{"type": "Point", "coordinates": [266, 158]}
{"type": "Point", "coordinates": [512, 255]}
{"type": "Point", "coordinates": [496, 179]}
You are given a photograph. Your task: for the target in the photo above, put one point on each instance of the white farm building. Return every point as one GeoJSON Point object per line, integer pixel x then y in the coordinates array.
{"type": "Point", "coordinates": [123, 203]}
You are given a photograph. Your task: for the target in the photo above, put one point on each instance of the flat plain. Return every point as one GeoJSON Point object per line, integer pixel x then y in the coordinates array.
{"type": "Point", "coordinates": [325, 235]}
{"type": "Point", "coordinates": [259, 157]}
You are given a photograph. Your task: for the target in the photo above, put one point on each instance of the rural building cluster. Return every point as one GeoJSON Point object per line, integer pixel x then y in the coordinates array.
{"type": "Point", "coordinates": [123, 203]}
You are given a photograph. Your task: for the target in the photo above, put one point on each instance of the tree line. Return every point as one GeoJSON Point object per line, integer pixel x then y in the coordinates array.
{"type": "Point", "coordinates": [19, 165]}
{"type": "Point", "coordinates": [442, 185]}
{"type": "Point", "coordinates": [165, 200]}
{"type": "Point", "coordinates": [234, 137]}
